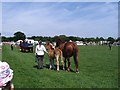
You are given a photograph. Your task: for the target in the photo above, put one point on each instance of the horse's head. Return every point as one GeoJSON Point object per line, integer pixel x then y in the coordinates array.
{"type": "Point", "coordinates": [50, 49]}
{"type": "Point", "coordinates": [59, 41]}
{"type": "Point", "coordinates": [49, 46]}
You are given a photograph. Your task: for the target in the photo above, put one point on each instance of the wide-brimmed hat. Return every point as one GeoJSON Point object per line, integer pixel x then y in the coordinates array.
{"type": "Point", "coordinates": [6, 74]}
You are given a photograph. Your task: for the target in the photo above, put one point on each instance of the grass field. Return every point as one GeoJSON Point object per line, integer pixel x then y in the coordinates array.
{"type": "Point", "coordinates": [97, 64]}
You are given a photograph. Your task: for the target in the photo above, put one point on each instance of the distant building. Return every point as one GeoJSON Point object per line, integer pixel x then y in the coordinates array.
{"type": "Point", "coordinates": [79, 42]}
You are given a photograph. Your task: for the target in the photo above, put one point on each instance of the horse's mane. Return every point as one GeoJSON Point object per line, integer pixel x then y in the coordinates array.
{"type": "Point", "coordinates": [50, 44]}
{"type": "Point", "coordinates": [59, 41]}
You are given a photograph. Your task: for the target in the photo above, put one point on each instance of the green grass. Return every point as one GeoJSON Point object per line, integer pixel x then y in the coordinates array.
{"type": "Point", "coordinates": [97, 64]}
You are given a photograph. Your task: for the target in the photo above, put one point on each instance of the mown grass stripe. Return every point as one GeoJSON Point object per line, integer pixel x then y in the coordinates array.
{"type": "Point", "coordinates": [97, 64]}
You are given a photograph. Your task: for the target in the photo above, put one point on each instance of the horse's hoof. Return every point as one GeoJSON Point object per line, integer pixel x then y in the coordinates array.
{"type": "Point", "coordinates": [68, 70]}
{"type": "Point", "coordinates": [77, 71]}
{"type": "Point", "coordinates": [50, 69]}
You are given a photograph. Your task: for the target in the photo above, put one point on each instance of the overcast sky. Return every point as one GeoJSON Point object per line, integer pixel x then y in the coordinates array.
{"type": "Point", "coordinates": [82, 19]}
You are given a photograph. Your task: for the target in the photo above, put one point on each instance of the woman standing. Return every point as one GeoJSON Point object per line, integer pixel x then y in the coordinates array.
{"type": "Point", "coordinates": [39, 52]}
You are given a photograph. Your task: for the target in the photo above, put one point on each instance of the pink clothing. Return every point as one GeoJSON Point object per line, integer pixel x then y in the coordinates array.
{"type": "Point", "coordinates": [6, 74]}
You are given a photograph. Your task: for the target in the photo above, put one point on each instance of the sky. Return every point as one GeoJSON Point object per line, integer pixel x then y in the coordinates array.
{"type": "Point", "coordinates": [81, 19]}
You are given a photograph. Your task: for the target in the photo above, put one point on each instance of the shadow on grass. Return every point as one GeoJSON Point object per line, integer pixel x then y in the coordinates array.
{"type": "Point", "coordinates": [44, 66]}
{"type": "Point", "coordinates": [47, 67]}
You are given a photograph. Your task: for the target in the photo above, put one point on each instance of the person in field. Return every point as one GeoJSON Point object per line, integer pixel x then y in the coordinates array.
{"type": "Point", "coordinates": [6, 76]}
{"type": "Point", "coordinates": [12, 47]}
{"type": "Point", "coordinates": [110, 46]}
{"type": "Point", "coordinates": [39, 52]}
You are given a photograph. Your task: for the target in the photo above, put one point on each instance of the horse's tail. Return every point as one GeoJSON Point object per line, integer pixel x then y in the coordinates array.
{"type": "Point", "coordinates": [75, 50]}
{"type": "Point", "coordinates": [75, 47]}
{"type": "Point", "coordinates": [76, 56]}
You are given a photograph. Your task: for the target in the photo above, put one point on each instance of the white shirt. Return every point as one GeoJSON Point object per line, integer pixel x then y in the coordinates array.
{"type": "Point", "coordinates": [40, 49]}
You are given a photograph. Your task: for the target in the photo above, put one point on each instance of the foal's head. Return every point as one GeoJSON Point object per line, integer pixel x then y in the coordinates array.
{"type": "Point", "coordinates": [49, 46]}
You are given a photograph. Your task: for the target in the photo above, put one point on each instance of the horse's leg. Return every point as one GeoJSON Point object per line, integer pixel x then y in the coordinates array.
{"type": "Point", "coordinates": [68, 64]}
{"type": "Point", "coordinates": [65, 63]}
{"type": "Point", "coordinates": [61, 57]}
{"type": "Point", "coordinates": [62, 63]}
{"type": "Point", "coordinates": [76, 63]}
{"type": "Point", "coordinates": [57, 62]}
{"type": "Point", "coordinates": [12, 87]}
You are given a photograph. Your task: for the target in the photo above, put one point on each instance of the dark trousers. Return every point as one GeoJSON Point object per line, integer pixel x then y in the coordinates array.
{"type": "Point", "coordinates": [40, 61]}
{"type": "Point", "coordinates": [52, 63]}
{"type": "Point", "coordinates": [11, 47]}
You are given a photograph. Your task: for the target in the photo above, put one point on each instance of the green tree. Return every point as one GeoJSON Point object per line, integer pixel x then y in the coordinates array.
{"type": "Point", "coordinates": [102, 39]}
{"type": "Point", "coordinates": [111, 40]}
{"type": "Point", "coordinates": [87, 40]}
{"type": "Point", "coordinates": [92, 39]}
{"type": "Point", "coordinates": [4, 39]}
{"type": "Point", "coordinates": [19, 36]}
{"type": "Point", "coordinates": [63, 37]}
{"type": "Point", "coordinates": [82, 39]}
{"type": "Point", "coordinates": [97, 39]}
{"type": "Point", "coordinates": [118, 39]}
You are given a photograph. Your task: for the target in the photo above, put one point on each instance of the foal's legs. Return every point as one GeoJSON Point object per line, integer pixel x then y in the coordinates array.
{"type": "Point", "coordinates": [57, 62]}
{"type": "Point", "coordinates": [62, 63]}
{"type": "Point", "coordinates": [68, 64]}
{"type": "Point", "coordinates": [65, 63]}
{"type": "Point", "coordinates": [61, 57]}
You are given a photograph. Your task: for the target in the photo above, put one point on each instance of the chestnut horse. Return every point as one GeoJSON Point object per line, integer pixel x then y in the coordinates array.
{"type": "Point", "coordinates": [54, 53]}
{"type": "Point", "coordinates": [69, 49]}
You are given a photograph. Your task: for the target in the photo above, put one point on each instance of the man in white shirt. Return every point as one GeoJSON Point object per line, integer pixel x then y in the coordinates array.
{"type": "Point", "coordinates": [39, 52]}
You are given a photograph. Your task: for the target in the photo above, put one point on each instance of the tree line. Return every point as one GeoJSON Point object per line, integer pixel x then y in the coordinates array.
{"type": "Point", "coordinates": [21, 36]}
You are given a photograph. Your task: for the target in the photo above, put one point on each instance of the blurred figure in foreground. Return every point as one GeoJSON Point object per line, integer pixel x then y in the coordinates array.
{"type": "Point", "coordinates": [6, 75]}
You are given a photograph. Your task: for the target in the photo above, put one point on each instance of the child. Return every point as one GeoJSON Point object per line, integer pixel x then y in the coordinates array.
{"type": "Point", "coordinates": [6, 75]}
